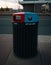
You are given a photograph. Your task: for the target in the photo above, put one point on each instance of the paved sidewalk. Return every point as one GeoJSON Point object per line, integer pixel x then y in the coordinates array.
{"type": "Point", "coordinates": [7, 57]}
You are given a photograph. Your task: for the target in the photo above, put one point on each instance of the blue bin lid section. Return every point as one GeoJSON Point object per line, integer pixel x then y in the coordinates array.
{"type": "Point", "coordinates": [30, 17]}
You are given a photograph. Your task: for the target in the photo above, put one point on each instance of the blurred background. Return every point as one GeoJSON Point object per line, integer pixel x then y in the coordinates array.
{"type": "Point", "coordinates": [7, 8]}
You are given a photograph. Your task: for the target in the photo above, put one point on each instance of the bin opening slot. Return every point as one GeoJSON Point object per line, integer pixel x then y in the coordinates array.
{"type": "Point", "coordinates": [18, 17]}
{"type": "Point", "coordinates": [15, 18]}
{"type": "Point", "coordinates": [30, 18]}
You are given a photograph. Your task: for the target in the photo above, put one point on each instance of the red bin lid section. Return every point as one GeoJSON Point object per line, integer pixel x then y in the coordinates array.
{"type": "Point", "coordinates": [18, 17]}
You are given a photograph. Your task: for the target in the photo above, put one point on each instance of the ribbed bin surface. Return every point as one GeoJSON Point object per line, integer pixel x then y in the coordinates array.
{"type": "Point", "coordinates": [25, 39]}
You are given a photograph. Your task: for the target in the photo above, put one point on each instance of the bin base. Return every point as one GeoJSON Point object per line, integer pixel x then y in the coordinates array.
{"type": "Point", "coordinates": [25, 56]}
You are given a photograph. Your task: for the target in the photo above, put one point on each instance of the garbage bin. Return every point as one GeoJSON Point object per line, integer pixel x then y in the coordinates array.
{"type": "Point", "coordinates": [25, 30]}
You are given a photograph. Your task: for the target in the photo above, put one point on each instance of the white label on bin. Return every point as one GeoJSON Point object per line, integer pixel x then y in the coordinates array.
{"type": "Point", "coordinates": [18, 17]}
{"type": "Point", "coordinates": [15, 23]}
{"type": "Point", "coordinates": [30, 23]}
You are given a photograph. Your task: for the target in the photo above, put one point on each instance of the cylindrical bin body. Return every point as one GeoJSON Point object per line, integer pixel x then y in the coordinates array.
{"type": "Point", "coordinates": [25, 29]}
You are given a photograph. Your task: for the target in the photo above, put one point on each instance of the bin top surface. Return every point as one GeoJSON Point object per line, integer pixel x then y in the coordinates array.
{"type": "Point", "coordinates": [28, 16]}
{"type": "Point", "coordinates": [18, 13]}
{"type": "Point", "coordinates": [24, 13]}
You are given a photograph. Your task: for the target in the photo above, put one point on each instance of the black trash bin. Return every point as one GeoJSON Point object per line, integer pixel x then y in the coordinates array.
{"type": "Point", "coordinates": [25, 30]}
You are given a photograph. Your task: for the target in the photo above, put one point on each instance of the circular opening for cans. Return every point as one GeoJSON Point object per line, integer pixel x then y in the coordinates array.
{"type": "Point", "coordinates": [30, 18]}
